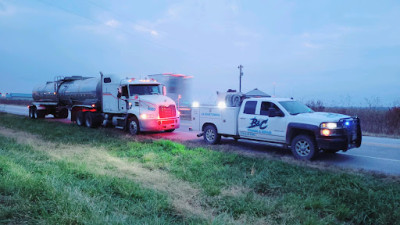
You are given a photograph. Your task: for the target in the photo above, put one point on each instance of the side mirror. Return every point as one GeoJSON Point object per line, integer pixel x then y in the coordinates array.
{"type": "Point", "coordinates": [164, 90]}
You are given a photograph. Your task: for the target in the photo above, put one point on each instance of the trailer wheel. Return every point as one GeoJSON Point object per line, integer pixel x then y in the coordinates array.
{"type": "Point", "coordinates": [303, 147]}
{"type": "Point", "coordinates": [80, 117]}
{"type": "Point", "coordinates": [133, 126]}
{"type": "Point", "coordinates": [211, 135]}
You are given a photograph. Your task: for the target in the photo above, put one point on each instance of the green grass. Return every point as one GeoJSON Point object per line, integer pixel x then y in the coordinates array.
{"type": "Point", "coordinates": [35, 189]}
{"type": "Point", "coordinates": [233, 187]}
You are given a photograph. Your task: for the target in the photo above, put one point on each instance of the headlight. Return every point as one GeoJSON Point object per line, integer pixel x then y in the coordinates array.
{"type": "Point", "coordinates": [329, 128]}
{"type": "Point", "coordinates": [329, 125]}
{"type": "Point", "coordinates": [145, 116]}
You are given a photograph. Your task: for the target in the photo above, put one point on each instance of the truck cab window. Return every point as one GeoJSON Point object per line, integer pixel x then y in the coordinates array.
{"type": "Point", "coordinates": [250, 107]}
{"type": "Point", "coordinates": [145, 90]}
{"type": "Point", "coordinates": [265, 106]}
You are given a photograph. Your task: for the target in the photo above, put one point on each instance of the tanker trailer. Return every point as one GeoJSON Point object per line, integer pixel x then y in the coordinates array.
{"type": "Point", "coordinates": [131, 104]}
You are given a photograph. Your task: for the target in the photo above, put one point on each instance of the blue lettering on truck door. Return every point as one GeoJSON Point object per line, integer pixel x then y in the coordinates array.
{"type": "Point", "coordinates": [262, 124]}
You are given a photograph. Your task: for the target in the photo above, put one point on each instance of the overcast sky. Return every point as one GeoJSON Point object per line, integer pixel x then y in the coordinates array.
{"type": "Point", "coordinates": [340, 52]}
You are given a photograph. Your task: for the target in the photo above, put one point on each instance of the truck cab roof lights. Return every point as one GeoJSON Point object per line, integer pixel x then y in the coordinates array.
{"type": "Point", "coordinates": [221, 105]}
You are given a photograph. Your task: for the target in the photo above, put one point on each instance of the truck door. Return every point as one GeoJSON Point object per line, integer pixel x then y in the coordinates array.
{"type": "Point", "coordinates": [246, 116]}
{"type": "Point", "coordinates": [123, 100]}
{"type": "Point", "coordinates": [272, 122]}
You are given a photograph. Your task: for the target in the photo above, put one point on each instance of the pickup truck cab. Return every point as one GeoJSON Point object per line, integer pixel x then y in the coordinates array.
{"type": "Point", "coordinates": [281, 121]}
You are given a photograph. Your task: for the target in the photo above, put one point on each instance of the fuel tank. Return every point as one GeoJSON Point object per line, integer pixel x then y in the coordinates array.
{"type": "Point", "coordinates": [69, 91]}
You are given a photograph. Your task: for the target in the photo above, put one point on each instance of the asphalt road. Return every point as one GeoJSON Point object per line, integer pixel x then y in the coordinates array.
{"type": "Point", "coordinates": [376, 154]}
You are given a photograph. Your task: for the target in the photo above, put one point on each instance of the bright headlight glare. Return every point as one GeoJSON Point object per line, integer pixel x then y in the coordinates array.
{"type": "Point", "coordinates": [325, 132]}
{"type": "Point", "coordinates": [221, 105]}
{"type": "Point", "coordinates": [329, 125]}
{"type": "Point", "coordinates": [146, 116]}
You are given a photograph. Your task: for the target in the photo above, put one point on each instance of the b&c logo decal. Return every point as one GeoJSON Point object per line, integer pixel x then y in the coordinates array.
{"type": "Point", "coordinates": [258, 123]}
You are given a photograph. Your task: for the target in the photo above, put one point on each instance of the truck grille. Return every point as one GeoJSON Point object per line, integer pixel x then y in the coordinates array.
{"type": "Point", "coordinates": [351, 125]}
{"type": "Point", "coordinates": [167, 111]}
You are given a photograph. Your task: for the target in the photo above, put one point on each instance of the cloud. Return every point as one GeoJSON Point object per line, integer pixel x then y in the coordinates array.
{"type": "Point", "coordinates": [311, 45]}
{"type": "Point", "coordinates": [112, 23]}
{"type": "Point", "coordinates": [144, 29]}
{"type": "Point", "coordinates": [7, 10]}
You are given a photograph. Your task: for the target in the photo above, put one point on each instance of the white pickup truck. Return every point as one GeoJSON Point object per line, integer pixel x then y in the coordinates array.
{"type": "Point", "coordinates": [280, 121]}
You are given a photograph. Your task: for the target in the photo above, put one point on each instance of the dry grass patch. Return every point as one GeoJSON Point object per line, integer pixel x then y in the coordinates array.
{"type": "Point", "coordinates": [184, 197]}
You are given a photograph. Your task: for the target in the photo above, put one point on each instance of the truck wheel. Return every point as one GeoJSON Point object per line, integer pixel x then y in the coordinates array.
{"type": "Point", "coordinates": [80, 117]}
{"type": "Point", "coordinates": [32, 112]}
{"type": "Point", "coordinates": [211, 135]}
{"type": "Point", "coordinates": [303, 147]}
{"type": "Point", "coordinates": [89, 120]}
{"type": "Point", "coordinates": [133, 126]}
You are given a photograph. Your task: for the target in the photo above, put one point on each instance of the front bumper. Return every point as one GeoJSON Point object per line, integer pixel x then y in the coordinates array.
{"type": "Point", "coordinates": [344, 139]}
{"type": "Point", "coordinates": [159, 124]}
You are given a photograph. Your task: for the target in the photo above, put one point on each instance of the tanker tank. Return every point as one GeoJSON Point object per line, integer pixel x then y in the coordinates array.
{"type": "Point", "coordinates": [70, 90]}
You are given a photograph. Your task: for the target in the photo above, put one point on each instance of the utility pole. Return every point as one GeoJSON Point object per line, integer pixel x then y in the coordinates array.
{"type": "Point", "coordinates": [240, 67]}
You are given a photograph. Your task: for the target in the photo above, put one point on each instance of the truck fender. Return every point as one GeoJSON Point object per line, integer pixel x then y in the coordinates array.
{"type": "Point", "coordinates": [294, 129]}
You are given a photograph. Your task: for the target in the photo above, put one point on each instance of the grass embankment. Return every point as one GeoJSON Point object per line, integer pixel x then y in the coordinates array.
{"type": "Point", "coordinates": [69, 174]}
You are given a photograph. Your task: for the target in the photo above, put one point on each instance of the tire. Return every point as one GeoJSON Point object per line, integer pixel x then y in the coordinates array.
{"type": "Point", "coordinates": [80, 118]}
{"type": "Point", "coordinates": [303, 147]}
{"type": "Point", "coordinates": [133, 126]}
{"type": "Point", "coordinates": [32, 113]}
{"type": "Point", "coordinates": [89, 120]}
{"type": "Point", "coordinates": [211, 135]}
{"type": "Point", "coordinates": [169, 131]}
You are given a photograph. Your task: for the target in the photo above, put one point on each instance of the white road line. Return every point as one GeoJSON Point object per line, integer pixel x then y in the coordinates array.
{"type": "Point", "coordinates": [371, 157]}
{"type": "Point", "coordinates": [381, 145]}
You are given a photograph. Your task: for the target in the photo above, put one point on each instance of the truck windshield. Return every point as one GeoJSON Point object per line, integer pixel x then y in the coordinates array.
{"type": "Point", "coordinates": [144, 89]}
{"type": "Point", "coordinates": [295, 108]}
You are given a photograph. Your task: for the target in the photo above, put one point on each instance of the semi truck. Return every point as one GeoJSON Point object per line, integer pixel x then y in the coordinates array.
{"type": "Point", "coordinates": [281, 121]}
{"type": "Point", "coordinates": [131, 104]}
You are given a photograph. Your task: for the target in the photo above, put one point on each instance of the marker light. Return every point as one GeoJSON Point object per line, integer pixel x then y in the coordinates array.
{"type": "Point", "coordinates": [347, 123]}
{"type": "Point", "coordinates": [143, 116]}
{"type": "Point", "coordinates": [221, 105]}
{"type": "Point", "coordinates": [195, 104]}
{"type": "Point", "coordinates": [325, 132]}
